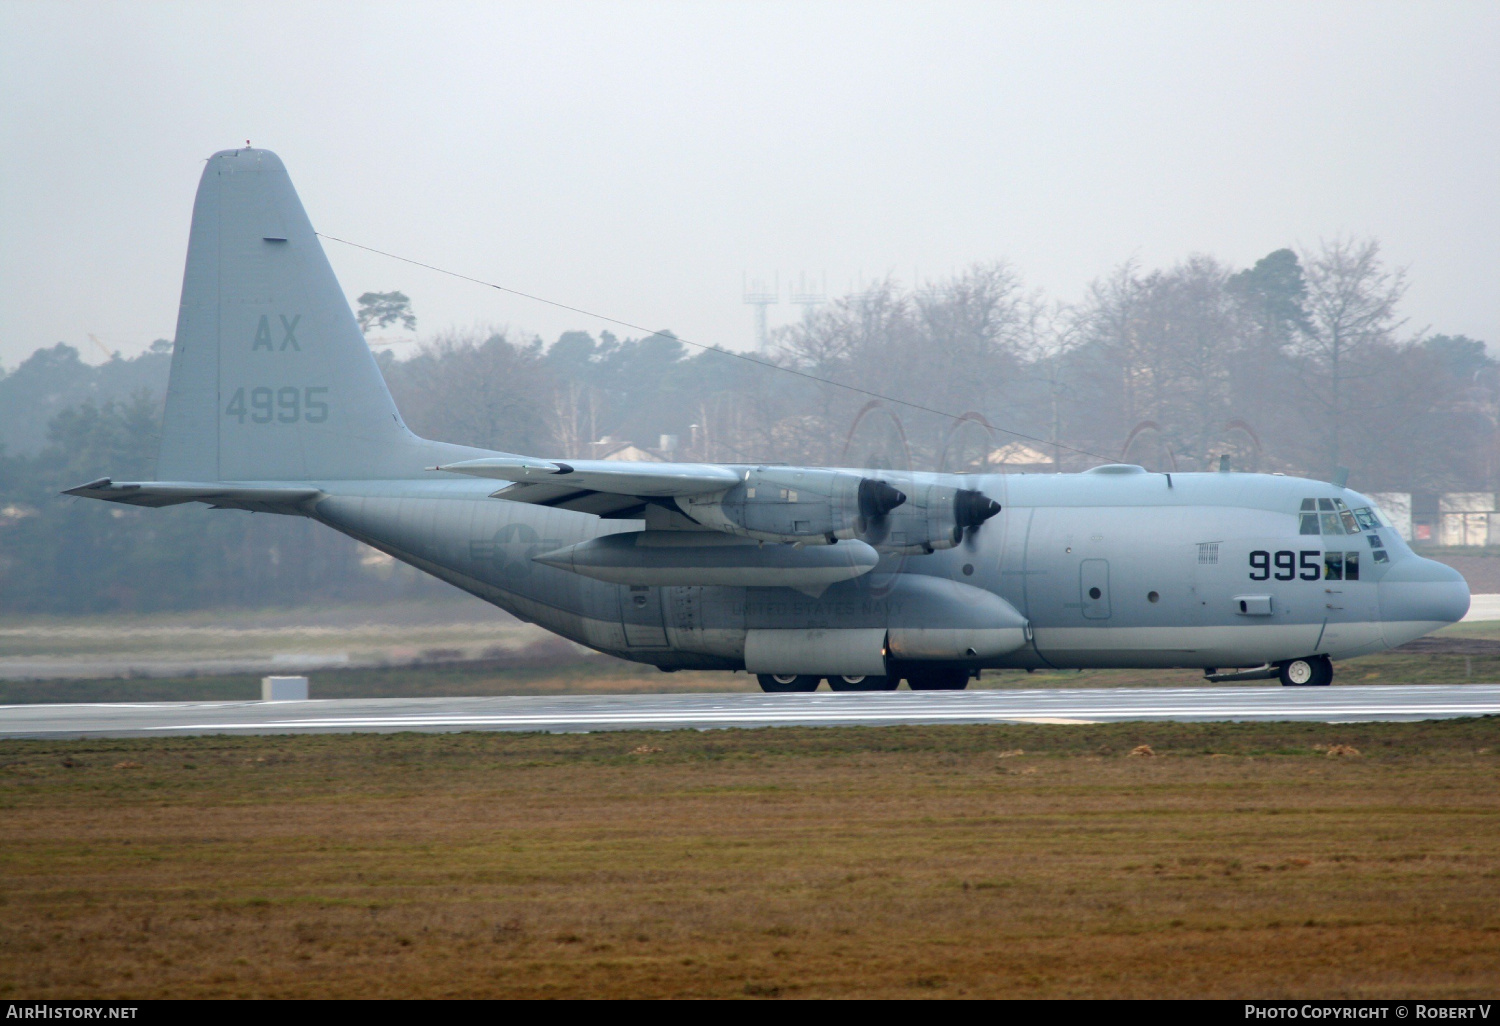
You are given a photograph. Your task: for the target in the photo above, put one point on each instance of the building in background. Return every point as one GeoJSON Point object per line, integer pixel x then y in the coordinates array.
{"type": "Point", "coordinates": [1468, 519]}
{"type": "Point", "coordinates": [1018, 458]}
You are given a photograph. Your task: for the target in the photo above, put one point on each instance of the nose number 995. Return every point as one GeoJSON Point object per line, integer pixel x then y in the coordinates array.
{"type": "Point", "coordinates": [1286, 565]}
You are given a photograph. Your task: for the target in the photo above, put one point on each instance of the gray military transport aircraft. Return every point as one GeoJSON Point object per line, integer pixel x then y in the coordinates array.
{"type": "Point", "coordinates": [797, 574]}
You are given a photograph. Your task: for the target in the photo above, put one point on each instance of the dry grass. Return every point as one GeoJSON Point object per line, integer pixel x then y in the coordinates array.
{"type": "Point", "coordinates": [1018, 861]}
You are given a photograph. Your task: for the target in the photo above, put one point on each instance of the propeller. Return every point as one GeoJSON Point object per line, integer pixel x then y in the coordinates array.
{"type": "Point", "coordinates": [967, 450]}
{"type": "Point", "coordinates": [876, 498]}
{"type": "Point", "coordinates": [971, 508]}
{"type": "Point", "coordinates": [876, 444]}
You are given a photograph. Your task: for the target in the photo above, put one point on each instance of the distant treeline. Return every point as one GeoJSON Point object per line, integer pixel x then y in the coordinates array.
{"type": "Point", "coordinates": [1299, 364]}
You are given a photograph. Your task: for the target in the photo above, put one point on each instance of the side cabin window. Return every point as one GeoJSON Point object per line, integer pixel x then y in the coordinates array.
{"type": "Point", "coordinates": [1341, 566]}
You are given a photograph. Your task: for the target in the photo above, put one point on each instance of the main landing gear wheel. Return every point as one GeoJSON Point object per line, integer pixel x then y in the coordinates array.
{"type": "Point", "coordinates": [938, 679]}
{"type": "Point", "coordinates": [871, 683]}
{"type": "Point", "coordinates": [1312, 672]}
{"type": "Point", "coordinates": [788, 682]}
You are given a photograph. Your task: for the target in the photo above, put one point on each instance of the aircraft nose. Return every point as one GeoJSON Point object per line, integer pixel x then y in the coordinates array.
{"type": "Point", "coordinates": [1420, 595]}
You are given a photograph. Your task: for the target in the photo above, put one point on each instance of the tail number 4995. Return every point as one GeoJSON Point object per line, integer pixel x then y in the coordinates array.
{"type": "Point", "coordinates": [1286, 564]}
{"type": "Point", "coordinates": [285, 405]}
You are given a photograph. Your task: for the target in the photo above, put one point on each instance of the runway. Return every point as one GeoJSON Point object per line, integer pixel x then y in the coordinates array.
{"type": "Point", "coordinates": [706, 711]}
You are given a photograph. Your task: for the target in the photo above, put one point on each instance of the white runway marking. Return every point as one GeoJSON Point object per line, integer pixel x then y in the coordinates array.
{"type": "Point", "coordinates": [1483, 607]}
{"type": "Point", "coordinates": [663, 712]}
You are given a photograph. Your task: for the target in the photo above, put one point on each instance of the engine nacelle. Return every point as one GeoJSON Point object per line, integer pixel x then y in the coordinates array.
{"type": "Point", "coordinates": [892, 512]}
{"type": "Point", "coordinates": [814, 507]}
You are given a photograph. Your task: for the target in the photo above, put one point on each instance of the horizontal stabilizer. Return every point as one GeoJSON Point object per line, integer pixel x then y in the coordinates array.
{"type": "Point", "coordinates": [257, 498]}
{"type": "Point", "coordinates": [673, 558]}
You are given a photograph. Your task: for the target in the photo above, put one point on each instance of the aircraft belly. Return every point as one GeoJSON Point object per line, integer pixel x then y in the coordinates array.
{"type": "Point", "coordinates": [1398, 632]}
{"type": "Point", "coordinates": [1203, 646]}
{"type": "Point", "coordinates": [1350, 639]}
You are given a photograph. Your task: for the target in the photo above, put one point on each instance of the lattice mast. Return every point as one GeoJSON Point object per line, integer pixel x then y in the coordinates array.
{"type": "Point", "coordinates": [762, 295]}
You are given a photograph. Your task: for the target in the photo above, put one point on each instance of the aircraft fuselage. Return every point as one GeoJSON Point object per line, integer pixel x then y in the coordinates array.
{"type": "Point", "coordinates": [1117, 569]}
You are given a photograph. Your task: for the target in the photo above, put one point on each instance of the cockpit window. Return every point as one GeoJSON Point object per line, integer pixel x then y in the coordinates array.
{"type": "Point", "coordinates": [1333, 516]}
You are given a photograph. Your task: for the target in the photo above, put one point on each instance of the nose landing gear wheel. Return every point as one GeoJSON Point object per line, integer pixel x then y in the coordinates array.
{"type": "Point", "coordinates": [1312, 672]}
{"type": "Point", "coordinates": [871, 683]}
{"type": "Point", "coordinates": [788, 682]}
{"type": "Point", "coordinates": [938, 679]}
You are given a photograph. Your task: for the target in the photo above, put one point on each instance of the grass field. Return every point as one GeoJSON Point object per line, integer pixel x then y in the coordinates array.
{"type": "Point", "coordinates": [1237, 860]}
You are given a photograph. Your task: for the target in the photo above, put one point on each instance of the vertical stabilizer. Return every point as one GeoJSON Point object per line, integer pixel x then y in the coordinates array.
{"type": "Point", "coordinates": [271, 376]}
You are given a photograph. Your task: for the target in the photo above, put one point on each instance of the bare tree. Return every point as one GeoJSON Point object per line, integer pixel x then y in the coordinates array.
{"type": "Point", "coordinates": [1158, 347]}
{"type": "Point", "coordinates": [1050, 335]}
{"type": "Point", "coordinates": [1352, 300]}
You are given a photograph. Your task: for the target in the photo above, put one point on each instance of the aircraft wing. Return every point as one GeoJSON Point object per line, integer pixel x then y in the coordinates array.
{"type": "Point", "coordinates": [605, 488]}
{"type": "Point", "coordinates": [217, 494]}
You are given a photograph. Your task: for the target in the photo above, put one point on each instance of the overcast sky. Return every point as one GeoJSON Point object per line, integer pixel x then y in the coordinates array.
{"type": "Point", "coordinates": [639, 158]}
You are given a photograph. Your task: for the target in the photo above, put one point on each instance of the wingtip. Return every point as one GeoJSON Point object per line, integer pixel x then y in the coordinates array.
{"type": "Point", "coordinates": [92, 486]}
